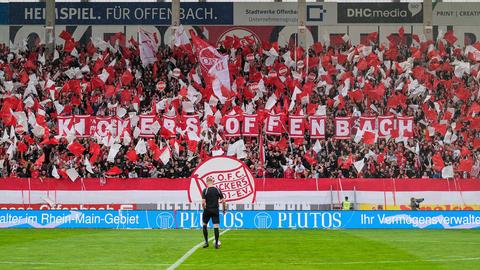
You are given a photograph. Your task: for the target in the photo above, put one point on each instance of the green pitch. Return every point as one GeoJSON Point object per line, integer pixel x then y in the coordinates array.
{"type": "Point", "coordinates": [242, 249]}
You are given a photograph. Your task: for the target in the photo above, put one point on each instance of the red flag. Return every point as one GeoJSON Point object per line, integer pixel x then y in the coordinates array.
{"type": "Point", "coordinates": [24, 77]}
{"type": "Point", "coordinates": [311, 108]}
{"type": "Point", "coordinates": [440, 128]}
{"type": "Point", "coordinates": [183, 92]}
{"type": "Point", "coordinates": [76, 149]}
{"type": "Point", "coordinates": [99, 64]}
{"type": "Point", "coordinates": [475, 108]}
{"type": "Point", "coordinates": [132, 155]}
{"type": "Point", "coordinates": [47, 141]}
{"type": "Point", "coordinates": [94, 151]}
{"type": "Point", "coordinates": [476, 143]}
{"type": "Point", "coordinates": [465, 151]}
{"type": "Point", "coordinates": [401, 32]}
{"type": "Point", "coordinates": [438, 162]}
{"type": "Point", "coordinates": [317, 47]}
{"type": "Point", "coordinates": [369, 137]}
{"type": "Point", "coordinates": [97, 83]}
{"type": "Point", "coordinates": [152, 145]}
{"type": "Point", "coordinates": [22, 147]}
{"type": "Point", "coordinates": [450, 37]}
{"type": "Point", "coordinates": [416, 38]}
{"type": "Point", "coordinates": [282, 144]}
{"type": "Point", "coordinates": [192, 146]}
{"type": "Point", "coordinates": [372, 37]}
{"type": "Point", "coordinates": [109, 91]}
{"type": "Point", "coordinates": [356, 95]}
{"type": "Point", "coordinates": [65, 35]}
{"type": "Point", "coordinates": [465, 165]}
{"type": "Point", "coordinates": [310, 158]}
{"type": "Point", "coordinates": [348, 162]}
{"type": "Point", "coordinates": [380, 158]}
{"type": "Point", "coordinates": [114, 171]}
{"type": "Point", "coordinates": [29, 65]}
{"type": "Point", "coordinates": [377, 93]}
{"type": "Point", "coordinates": [91, 50]}
{"type": "Point", "coordinates": [127, 77]}
{"type": "Point", "coordinates": [69, 45]}
{"type": "Point", "coordinates": [40, 160]}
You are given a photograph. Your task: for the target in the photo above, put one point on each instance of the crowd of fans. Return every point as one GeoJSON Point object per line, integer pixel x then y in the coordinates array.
{"type": "Point", "coordinates": [436, 82]}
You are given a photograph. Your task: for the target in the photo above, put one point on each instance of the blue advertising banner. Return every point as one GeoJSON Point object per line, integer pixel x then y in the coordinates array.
{"type": "Point", "coordinates": [134, 219]}
{"type": "Point", "coordinates": [25, 13]}
{"type": "Point", "coordinates": [4, 8]}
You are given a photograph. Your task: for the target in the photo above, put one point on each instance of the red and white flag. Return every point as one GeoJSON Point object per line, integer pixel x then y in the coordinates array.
{"type": "Point", "coordinates": [148, 45]}
{"type": "Point", "coordinates": [214, 66]}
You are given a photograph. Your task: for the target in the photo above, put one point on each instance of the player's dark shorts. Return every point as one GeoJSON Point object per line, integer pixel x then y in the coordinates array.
{"type": "Point", "coordinates": [211, 214]}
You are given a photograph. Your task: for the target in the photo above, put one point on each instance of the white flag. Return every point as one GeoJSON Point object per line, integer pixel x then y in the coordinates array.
{"type": "Point", "coordinates": [141, 147]}
{"type": "Point", "coordinates": [272, 100]}
{"type": "Point", "coordinates": [55, 172]}
{"type": "Point", "coordinates": [148, 47]}
{"type": "Point", "coordinates": [359, 165]}
{"type": "Point", "coordinates": [181, 37]}
{"type": "Point", "coordinates": [447, 172]}
{"type": "Point", "coordinates": [165, 156]}
{"type": "Point", "coordinates": [88, 166]}
{"type": "Point", "coordinates": [58, 107]}
{"type": "Point", "coordinates": [218, 152]}
{"type": "Point", "coordinates": [317, 147]}
{"type": "Point", "coordinates": [221, 76]}
{"type": "Point", "coordinates": [72, 174]}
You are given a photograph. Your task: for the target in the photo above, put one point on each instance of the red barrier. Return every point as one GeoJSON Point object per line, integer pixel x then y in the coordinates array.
{"type": "Point", "coordinates": [268, 184]}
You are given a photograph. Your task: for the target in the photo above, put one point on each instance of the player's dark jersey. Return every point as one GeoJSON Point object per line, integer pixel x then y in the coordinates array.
{"type": "Point", "coordinates": [211, 195]}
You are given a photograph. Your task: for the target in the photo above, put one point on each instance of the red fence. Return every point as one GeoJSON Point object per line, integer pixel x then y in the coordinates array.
{"type": "Point", "coordinates": [267, 184]}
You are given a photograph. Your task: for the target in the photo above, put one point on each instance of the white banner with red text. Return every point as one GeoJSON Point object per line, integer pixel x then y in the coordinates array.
{"type": "Point", "coordinates": [235, 125]}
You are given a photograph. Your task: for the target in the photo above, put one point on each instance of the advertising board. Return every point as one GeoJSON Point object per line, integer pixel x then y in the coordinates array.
{"type": "Point", "coordinates": [134, 219]}
{"type": "Point", "coordinates": [460, 14]}
{"type": "Point", "coordinates": [105, 13]}
{"type": "Point", "coordinates": [376, 13]}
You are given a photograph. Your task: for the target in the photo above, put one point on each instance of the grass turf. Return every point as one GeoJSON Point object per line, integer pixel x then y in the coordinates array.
{"type": "Point", "coordinates": [241, 249]}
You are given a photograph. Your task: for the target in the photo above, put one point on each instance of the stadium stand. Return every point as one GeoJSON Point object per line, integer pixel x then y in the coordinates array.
{"type": "Point", "coordinates": [434, 82]}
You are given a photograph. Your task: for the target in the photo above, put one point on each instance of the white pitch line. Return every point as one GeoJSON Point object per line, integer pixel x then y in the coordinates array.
{"type": "Point", "coordinates": [191, 251]}
{"type": "Point", "coordinates": [256, 264]}
{"type": "Point", "coordinates": [358, 262]}
{"type": "Point", "coordinates": [83, 264]}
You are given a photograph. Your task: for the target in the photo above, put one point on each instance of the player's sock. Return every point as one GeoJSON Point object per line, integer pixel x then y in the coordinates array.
{"type": "Point", "coordinates": [217, 235]}
{"type": "Point", "coordinates": [205, 234]}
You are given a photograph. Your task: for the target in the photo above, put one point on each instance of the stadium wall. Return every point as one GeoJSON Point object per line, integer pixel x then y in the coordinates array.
{"type": "Point", "coordinates": [268, 194]}
{"type": "Point", "coordinates": [326, 22]}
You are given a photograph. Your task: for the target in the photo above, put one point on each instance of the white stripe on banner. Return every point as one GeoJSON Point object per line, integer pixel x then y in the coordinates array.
{"type": "Point", "coordinates": [262, 197]}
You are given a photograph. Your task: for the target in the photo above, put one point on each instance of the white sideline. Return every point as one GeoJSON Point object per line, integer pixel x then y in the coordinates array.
{"type": "Point", "coordinates": [83, 264]}
{"type": "Point", "coordinates": [257, 264]}
{"type": "Point", "coordinates": [246, 265]}
{"type": "Point", "coordinates": [191, 251]}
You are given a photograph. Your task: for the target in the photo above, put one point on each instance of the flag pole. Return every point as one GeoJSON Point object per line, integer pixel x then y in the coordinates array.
{"type": "Point", "coordinates": [308, 56]}
{"type": "Point", "coordinates": [261, 152]}
{"type": "Point", "coordinates": [295, 50]}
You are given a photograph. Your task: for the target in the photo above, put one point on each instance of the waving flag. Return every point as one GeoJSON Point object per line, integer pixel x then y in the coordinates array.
{"type": "Point", "coordinates": [148, 47]}
{"type": "Point", "coordinates": [214, 66]}
{"type": "Point", "coordinates": [181, 38]}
